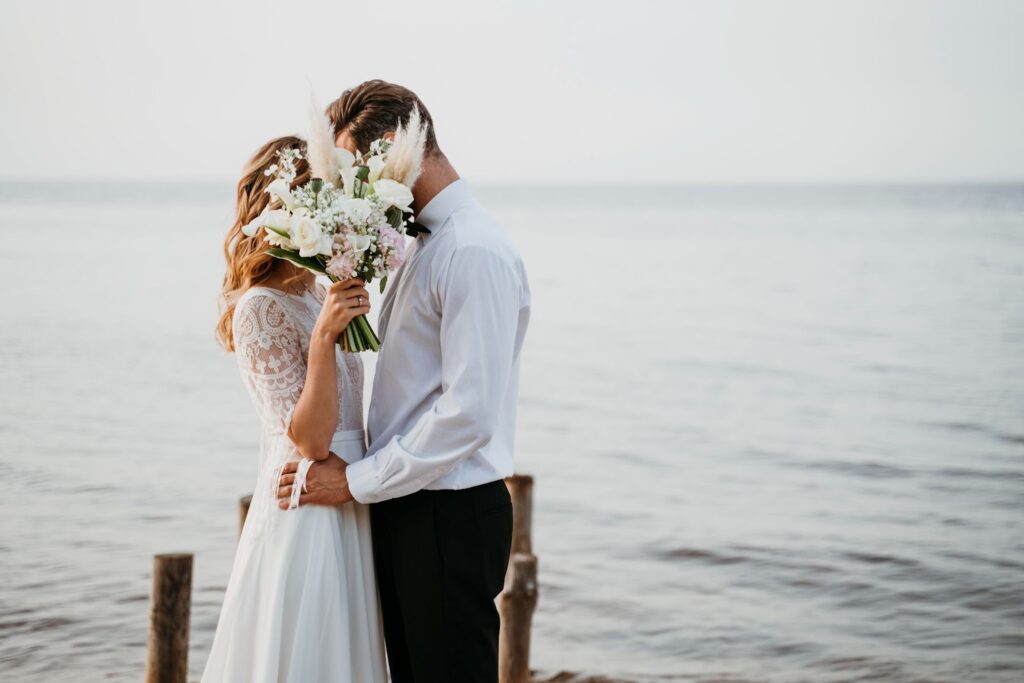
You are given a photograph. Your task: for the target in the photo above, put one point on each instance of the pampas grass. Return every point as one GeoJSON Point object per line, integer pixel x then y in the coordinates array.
{"type": "Point", "coordinates": [322, 161]}
{"type": "Point", "coordinates": [405, 156]}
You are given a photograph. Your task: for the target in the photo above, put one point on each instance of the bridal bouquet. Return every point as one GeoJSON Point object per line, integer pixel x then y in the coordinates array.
{"type": "Point", "coordinates": [348, 220]}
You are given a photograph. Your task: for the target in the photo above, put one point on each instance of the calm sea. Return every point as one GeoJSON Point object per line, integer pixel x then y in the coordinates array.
{"type": "Point", "coordinates": [778, 432]}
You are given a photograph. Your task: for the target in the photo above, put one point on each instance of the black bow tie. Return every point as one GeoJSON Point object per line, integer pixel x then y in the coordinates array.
{"type": "Point", "coordinates": [414, 229]}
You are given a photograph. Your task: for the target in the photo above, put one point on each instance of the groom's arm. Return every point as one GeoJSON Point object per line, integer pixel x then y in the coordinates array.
{"type": "Point", "coordinates": [481, 297]}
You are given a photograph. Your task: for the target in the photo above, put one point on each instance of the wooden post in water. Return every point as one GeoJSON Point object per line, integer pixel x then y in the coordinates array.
{"type": "Point", "coordinates": [243, 511]}
{"type": "Point", "coordinates": [518, 600]}
{"type": "Point", "coordinates": [169, 619]}
{"type": "Point", "coordinates": [520, 488]}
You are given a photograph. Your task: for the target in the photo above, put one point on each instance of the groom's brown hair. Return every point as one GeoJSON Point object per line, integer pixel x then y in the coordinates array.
{"type": "Point", "coordinates": [371, 109]}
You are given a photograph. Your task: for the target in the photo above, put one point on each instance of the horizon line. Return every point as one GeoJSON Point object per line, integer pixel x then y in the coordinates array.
{"type": "Point", "coordinates": [824, 183]}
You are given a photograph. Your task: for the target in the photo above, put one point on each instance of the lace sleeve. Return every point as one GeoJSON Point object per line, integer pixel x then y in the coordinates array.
{"type": "Point", "coordinates": [269, 349]}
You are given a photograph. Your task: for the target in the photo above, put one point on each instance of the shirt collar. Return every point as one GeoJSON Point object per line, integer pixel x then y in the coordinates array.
{"type": "Point", "coordinates": [435, 214]}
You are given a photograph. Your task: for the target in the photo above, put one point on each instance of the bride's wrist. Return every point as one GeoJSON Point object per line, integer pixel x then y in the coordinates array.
{"type": "Point", "coordinates": [322, 337]}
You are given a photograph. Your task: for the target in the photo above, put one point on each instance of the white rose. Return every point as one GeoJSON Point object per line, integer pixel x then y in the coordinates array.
{"type": "Point", "coordinates": [393, 193]}
{"type": "Point", "coordinates": [282, 190]}
{"type": "Point", "coordinates": [357, 210]}
{"type": "Point", "coordinates": [309, 237]}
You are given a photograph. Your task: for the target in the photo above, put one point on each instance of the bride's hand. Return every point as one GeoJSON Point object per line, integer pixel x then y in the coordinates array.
{"type": "Point", "coordinates": [344, 301]}
{"type": "Point", "coordinates": [326, 483]}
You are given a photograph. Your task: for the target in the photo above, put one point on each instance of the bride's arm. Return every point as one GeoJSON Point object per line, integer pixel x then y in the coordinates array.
{"type": "Point", "coordinates": [316, 413]}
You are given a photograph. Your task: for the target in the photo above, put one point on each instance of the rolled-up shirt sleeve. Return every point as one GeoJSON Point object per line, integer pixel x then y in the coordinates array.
{"type": "Point", "coordinates": [481, 298]}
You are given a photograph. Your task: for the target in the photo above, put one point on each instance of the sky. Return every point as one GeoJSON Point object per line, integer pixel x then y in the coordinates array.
{"type": "Point", "coordinates": [568, 92]}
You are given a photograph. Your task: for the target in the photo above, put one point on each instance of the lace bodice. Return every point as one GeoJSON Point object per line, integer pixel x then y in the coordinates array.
{"type": "Point", "coordinates": [272, 331]}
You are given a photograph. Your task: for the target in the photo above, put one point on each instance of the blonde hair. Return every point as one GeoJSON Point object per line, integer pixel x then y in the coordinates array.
{"type": "Point", "coordinates": [248, 263]}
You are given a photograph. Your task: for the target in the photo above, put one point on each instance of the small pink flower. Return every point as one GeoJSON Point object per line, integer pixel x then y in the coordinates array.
{"type": "Point", "coordinates": [342, 265]}
{"type": "Point", "coordinates": [393, 246]}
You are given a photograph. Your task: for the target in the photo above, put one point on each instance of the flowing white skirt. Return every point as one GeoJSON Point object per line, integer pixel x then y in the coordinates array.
{"type": "Point", "coordinates": [301, 603]}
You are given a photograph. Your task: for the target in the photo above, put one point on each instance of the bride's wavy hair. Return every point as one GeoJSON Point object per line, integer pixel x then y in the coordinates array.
{"type": "Point", "coordinates": [248, 263]}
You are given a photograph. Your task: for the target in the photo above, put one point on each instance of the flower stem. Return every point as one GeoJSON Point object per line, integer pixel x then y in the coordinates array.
{"type": "Point", "coordinates": [370, 338]}
{"type": "Point", "coordinates": [356, 339]}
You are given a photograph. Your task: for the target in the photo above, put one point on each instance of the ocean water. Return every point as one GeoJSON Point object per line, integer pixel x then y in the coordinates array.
{"type": "Point", "coordinates": [777, 432]}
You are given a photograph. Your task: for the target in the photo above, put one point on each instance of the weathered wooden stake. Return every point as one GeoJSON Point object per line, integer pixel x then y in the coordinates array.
{"type": "Point", "coordinates": [518, 600]}
{"type": "Point", "coordinates": [169, 619]}
{"type": "Point", "coordinates": [243, 511]}
{"type": "Point", "coordinates": [520, 487]}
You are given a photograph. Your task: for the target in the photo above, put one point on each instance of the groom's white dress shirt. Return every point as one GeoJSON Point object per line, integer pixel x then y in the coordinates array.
{"type": "Point", "coordinates": [443, 410]}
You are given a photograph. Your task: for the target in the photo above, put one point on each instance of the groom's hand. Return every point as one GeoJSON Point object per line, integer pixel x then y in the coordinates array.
{"type": "Point", "coordinates": [326, 483]}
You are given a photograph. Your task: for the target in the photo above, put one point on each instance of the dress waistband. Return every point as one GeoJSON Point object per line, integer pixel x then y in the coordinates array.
{"type": "Point", "coordinates": [349, 445]}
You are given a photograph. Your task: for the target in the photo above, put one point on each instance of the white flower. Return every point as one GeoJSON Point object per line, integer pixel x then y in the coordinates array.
{"type": "Point", "coordinates": [276, 240]}
{"type": "Point", "coordinates": [393, 193]}
{"type": "Point", "coordinates": [253, 226]}
{"type": "Point", "coordinates": [309, 237]}
{"type": "Point", "coordinates": [277, 220]}
{"type": "Point", "coordinates": [357, 210]}
{"type": "Point", "coordinates": [348, 179]}
{"type": "Point", "coordinates": [345, 158]}
{"type": "Point", "coordinates": [281, 189]}
{"type": "Point", "coordinates": [376, 165]}
{"type": "Point", "coordinates": [360, 243]}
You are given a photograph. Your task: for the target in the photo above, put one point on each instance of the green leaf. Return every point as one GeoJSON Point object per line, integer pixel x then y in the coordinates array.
{"type": "Point", "coordinates": [280, 231]}
{"type": "Point", "coordinates": [394, 216]}
{"type": "Point", "coordinates": [307, 262]}
{"type": "Point", "coordinates": [363, 173]}
{"type": "Point", "coordinates": [383, 283]}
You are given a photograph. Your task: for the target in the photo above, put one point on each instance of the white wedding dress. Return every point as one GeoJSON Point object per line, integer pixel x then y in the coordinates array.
{"type": "Point", "coordinates": [301, 603]}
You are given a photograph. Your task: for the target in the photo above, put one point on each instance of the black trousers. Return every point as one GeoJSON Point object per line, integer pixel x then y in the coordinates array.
{"type": "Point", "coordinates": [441, 558]}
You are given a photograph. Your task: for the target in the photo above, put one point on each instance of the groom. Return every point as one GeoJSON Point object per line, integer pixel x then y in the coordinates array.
{"type": "Point", "coordinates": [442, 416]}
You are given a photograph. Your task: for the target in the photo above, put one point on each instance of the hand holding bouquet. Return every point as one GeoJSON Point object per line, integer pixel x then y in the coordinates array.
{"type": "Point", "coordinates": [348, 220]}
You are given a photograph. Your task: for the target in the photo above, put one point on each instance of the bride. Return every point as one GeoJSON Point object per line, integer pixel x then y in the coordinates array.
{"type": "Point", "coordinates": [301, 603]}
